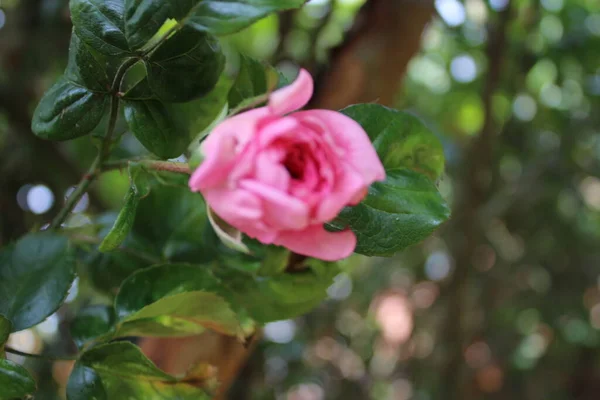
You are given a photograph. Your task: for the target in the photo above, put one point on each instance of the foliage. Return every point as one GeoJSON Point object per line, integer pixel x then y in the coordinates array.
{"type": "Point", "coordinates": [156, 71]}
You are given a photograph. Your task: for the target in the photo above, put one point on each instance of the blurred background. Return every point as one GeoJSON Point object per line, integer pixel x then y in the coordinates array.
{"type": "Point", "coordinates": [502, 303]}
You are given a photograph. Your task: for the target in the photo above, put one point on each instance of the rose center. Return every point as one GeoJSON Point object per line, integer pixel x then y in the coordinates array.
{"type": "Point", "coordinates": [295, 162]}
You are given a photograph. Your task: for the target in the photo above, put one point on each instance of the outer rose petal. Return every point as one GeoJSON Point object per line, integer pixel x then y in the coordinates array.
{"type": "Point", "coordinates": [316, 242]}
{"type": "Point", "coordinates": [240, 209]}
{"type": "Point", "coordinates": [292, 97]}
{"type": "Point", "coordinates": [221, 148]}
{"type": "Point", "coordinates": [348, 186]}
{"type": "Point", "coordinates": [349, 135]}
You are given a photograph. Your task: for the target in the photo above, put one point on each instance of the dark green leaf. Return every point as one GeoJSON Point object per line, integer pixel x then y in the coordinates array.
{"type": "Point", "coordinates": [174, 220]}
{"type": "Point", "coordinates": [85, 384]}
{"type": "Point", "coordinates": [155, 128]}
{"type": "Point", "coordinates": [222, 17]}
{"type": "Point", "coordinates": [108, 270]}
{"type": "Point", "coordinates": [400, 138]}
{"type": "Point", "coordinates": [91, 322]}
{"type": "Point", "coordinates": [173, 300]}
{"type": "Point", "coordinates": [100, 24]}
{"type": "Point", "coordinates": [200, 114]}
{"type": "Point", "coordinates": [125, 373]}
{"type": "Point", "coordinates": [185, 67]}
{"type": "Point", "coordinates": [143, 18]}
{"type": "Point", "coordinates": [141, 91]}
{"type": "Point", "coordinates": [84, 69]}
{"type": "Point", "coordinates": [397, 213]}
{"type": "Point", "coordinates": [15, 381]}
{"type": "Point", "coordinates": [68, 111]}
{"type": "Point", "coordinates": [118, 27]}
{"type": "Point", "coordinates": [123, 223]}
{"type": "Point", "coordinates": [253, 79]}
{"type": "Point", "coordinates": [35, 276]}
{"type": "Point", "coordinates": [5, 330]}
{"type": "Point", "coordinates": [282, 296]}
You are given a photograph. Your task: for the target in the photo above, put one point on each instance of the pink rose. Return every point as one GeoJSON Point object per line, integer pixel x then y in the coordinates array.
{"type": "Point", "coordinates": [279, 176]}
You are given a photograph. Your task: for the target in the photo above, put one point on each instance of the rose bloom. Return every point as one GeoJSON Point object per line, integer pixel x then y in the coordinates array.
{"type": "Point", "coordinates": [279, 175]}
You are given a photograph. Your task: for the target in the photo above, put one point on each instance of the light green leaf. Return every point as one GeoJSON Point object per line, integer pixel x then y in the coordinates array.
{"type": "Point", "coordinates": [400, 138]}
{"type": "Point", "coordinates": [186, 66]}
{"type": "Point", "coordinates": [397, 213]}
{"type": "Point", "coordinates": [68, 111]}
{"type": "Point", "coordinates": [155, 128]}
{"type": "Point", "coordinates": [121, 371]}
{"type": "Point", "coordinates": [173, 300]}
{"type": "Point", "coordinates": [282, 296]}
{"type": "Point", "coordinates": [253, 79]}
{"type": "Point", "coordinates": [222, 17]}
{"type": "Point", "coordinates": [15, 381]}
{"type": "Point", "coordinates": [35, 276]}
{"type": "Point", "coordinates": [123, 223]}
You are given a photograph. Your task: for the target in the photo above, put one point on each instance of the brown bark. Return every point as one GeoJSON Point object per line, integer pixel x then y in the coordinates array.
{"type": "Point", "coordinates": [368, 67]}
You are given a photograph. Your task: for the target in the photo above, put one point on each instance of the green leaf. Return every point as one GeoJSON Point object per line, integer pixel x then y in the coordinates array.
{"type": "Point", "coordinates": [15, 381]}
{"type": "Point", "coordinates": [120, 371]}
{"type": "Point", "coordinates": [400, 138]}
{"type": "Point", "coordinates": [174, 220]}
{"type": "Point", "coordinates": [186, 66]}
{"type": "Point", "coordinates": [155, 128]}
{"type": "Point", "coordinates": [68, 111]}
{"type": "Point", "coordinates": [100, 24]}
{"type": "Point", "coordinates": [254, 79]}
{"type": "Point", "coordinates": [90, 323]}
{"type": "Point", "coordinates": [118, 27]}
{"type": "Point", "coordinates": [5, 330]}
{"type": "Point", "coordinates": [282, 296]}
{"type": "Point", "coordinates": [108, 270]}
{"type": "Point", "coordinates": [222, 17]}
{"type": "Point", "coordinates": [35, 276]}
{"type": "Point", "coordinates": [397, 213]}
{"type": "Point", "coordinates": [84, 69]}
{"type": "Point", "coordinates": [143, 18]}
{"type": "Point", "coordinates": [123, 223]}
{"type": "Point", "coordinates": [85, 384]}
{"type": "Point", "coordinates": [275, 261]}
{"type": "Point", "coordinates": [200, 115]}
{"type": "Point", "coordinates": [173, 300]}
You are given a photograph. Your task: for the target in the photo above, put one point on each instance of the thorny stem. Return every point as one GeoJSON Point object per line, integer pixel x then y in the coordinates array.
{"type": "Point", "coordinates": [40, 356]}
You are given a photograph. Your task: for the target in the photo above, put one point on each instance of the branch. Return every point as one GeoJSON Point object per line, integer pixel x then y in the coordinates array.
{"type": "Point", "coordinates": [39, 356]}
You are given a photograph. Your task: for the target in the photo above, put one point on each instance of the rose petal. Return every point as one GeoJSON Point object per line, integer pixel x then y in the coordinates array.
{"type": "Point", "coordinates": [292, 97]}
{"type": "Point", "coordinates": [242, 210]}
{"type": "Point", "coordinates": [319, 243]}
{"type": "Point", "coordinates": [348, 186]}
{"type": "Point", "coordinates": [281, 211]}
{"type": "Point", "coordinates": [216, 166]}
{"type": "Point", "coordinates": [350, 136]}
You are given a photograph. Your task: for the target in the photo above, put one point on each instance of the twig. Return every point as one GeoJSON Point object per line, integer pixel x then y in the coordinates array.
{"type": "Point", "coordinates": [40, 356]}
